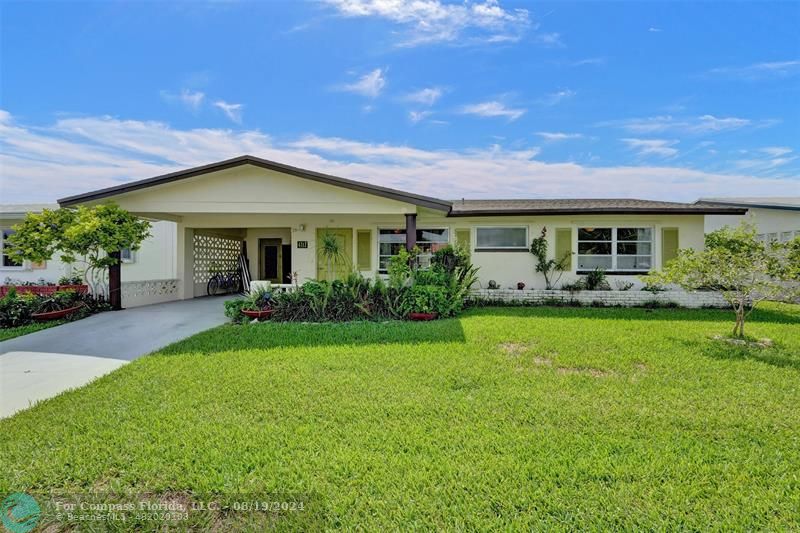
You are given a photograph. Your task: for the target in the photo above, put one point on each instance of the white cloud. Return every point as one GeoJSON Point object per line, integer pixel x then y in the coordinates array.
{"type": "Point", "coordinates": [369, 85]}
{"type": "Point", "coordinates": [557, 136]}
{"type": "Point", "coordinates": [70, 156]}
{"type": "Point", "coordinates": [757, 71]}
{"type": "Point", "coordinates": [552, 40]}
{"type": "Point", "coordinates": [557, 97]}
{"type": "Point", "coordinates": [652, 29]}
{"type": "Point", "coordinates": [427, 96]}
{"type": "Point", "coordinates": [657, 147]}
{"type": "Point", "coordinates": [697, 125]}
{"type": "Point", "coordinates": [191, 99]}
{"type": "Point", "coordinates": [433, 21]}
{"type": "Point", "coordinates": [417, 116]}
{"type": "Point", "coordinates": [493, 109]}
{"type": "Point", "coordinates": [776, 151]}
{"type": "Point", "coordinates": [232, 111]}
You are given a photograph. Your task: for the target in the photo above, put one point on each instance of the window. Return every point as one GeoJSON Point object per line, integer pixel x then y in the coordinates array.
{"type": "Point", "coordinates": [615, 249]}
{"type": "Point", "coordinates": [786, 236]}
{"type": "Point", "coordinates": [391, 241]}
{"type": "Point", "coordinates": [497, 238]}
{"type": "Point", "coordinates": [127, 255]}
{"type": "Point", "coordinates": [772, 237]}
{"type": "Point", "coordinates": [8, 260]}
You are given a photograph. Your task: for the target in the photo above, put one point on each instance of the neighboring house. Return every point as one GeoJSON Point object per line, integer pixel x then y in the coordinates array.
{"type": "Point", "coordinates": [277, 214]}
{"type": "Point", "coordinates": [154, 260]}
{"type": "Point", "coordinates": [776, 219]}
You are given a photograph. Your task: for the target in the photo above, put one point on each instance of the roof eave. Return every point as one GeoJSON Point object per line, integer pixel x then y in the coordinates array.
{"type": "Point", "coordinates": [751, 205]}
{"type": "Point", "coordinates": [599, 211]}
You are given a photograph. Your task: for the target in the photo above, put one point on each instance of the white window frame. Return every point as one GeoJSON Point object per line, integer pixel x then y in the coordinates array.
{"type": "Point", "coordinates": [385, 271]}
{"type": "Point", "coordinates": [500, 248]}
{"type": "Point", "coordinates": [614, 253]}
{"type": "Point", "coordinates": [2, 253]}
{"type": "Point", "coordinates": [130, 259]}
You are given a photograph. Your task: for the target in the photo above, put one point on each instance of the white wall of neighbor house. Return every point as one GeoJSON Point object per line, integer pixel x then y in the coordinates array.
{"type": "Point", "coordinates": [155, 259]}
{"type": "Point", "coordinates": [780, 224]}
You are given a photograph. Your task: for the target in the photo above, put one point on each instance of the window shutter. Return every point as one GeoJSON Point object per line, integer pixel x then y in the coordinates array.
{"type": "Point", "coordinates": [462, 238]}
{"type": "Point", "coordinates": [364, 249]}
{"type": "Point", "coordinates": [669, 245]}
{"type": "Point", "coordinates": [564, 246]}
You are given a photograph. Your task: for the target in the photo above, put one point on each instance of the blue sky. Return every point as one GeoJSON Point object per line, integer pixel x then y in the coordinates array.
{"type": "Point", "coordinates": [476, 99]}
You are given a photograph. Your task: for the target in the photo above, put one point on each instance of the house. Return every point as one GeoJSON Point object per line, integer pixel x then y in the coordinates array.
{"type": "Point", "coordinates": [776, 219]}
{"type": "Point", "coordinates": [276, 214]}
{"type": "Point", "coordinates": [154, 262]}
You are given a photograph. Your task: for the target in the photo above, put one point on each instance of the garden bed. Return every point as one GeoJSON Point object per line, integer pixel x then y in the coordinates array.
{"type": "Point", "coordinates": [43, 290]}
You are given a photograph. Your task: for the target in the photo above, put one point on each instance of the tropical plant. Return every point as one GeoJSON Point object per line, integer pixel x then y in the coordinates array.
{"type": "Point", "coordinates": [331, 251]}
{"type": "Point", "coordinates": [86, 234]}
{"type": "Point", "coordinates": [623, 285]}
{"type": "Point", "coordinates": [596, 280]}
{"type": "Point", "coordinates": [258, 299]}
{"type": "Point", "coordinates": [745, 270]}
{"type": "Point", "coordinates": [551, 269]}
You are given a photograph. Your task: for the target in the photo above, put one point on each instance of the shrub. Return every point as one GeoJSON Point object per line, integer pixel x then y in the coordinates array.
{"type": "Point", "coordinates": [623, 285]}
{"type": "Point", "coordinates": [596, 280]}
{"type": "Point", "coordinates": [70, 280]}
{"type": "Point", "coordinates": [15, 310]}
{"type": "Point", "coordinates": [233, 310]}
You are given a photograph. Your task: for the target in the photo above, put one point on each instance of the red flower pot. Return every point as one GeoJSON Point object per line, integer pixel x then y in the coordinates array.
{"type": "Point", "coordinates": [264, 314]}
{"type": "Point", "coordinates": [55, 315]}
{"type": "Point", "coordinates": [422, 316]}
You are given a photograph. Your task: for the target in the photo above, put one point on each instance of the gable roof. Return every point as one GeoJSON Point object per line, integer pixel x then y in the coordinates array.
{"type": "Point", "coordinates": [790, 203]}
{"type": "Point", "coordinates": [619, 206]}
{"type": "Point", "coordinates": [385, 192]}
{"type": "Point", "coordinates": [458, 208]}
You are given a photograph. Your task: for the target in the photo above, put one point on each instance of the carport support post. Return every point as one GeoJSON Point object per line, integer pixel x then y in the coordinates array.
{"type": "Point", "coordinates": [411, 231]}
{"type": "Point", "coordinates": [115, 281]}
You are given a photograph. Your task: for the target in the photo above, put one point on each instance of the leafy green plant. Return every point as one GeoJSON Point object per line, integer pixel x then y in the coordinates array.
{"type": "Point", "coordinates": [258, 298]}
{"type": "Point", "coordinates": [70, 280]}
{"type": "Point", "coordinates": [653, 287]}
{"type": "Point", "coordinates": [233, 310]}
{"type": "Point", "coordinates": [551, 269]}
{"type": "Point", "coordinates": [331, 251]}
{"type": "Point", "coordinates": [596, 280]}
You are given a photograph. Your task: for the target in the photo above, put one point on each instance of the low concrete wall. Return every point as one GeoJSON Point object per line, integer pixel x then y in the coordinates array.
{"type": "Point", "coordinates": [609, 298]}
{"type": "Point", "coordinates": [153, 291]}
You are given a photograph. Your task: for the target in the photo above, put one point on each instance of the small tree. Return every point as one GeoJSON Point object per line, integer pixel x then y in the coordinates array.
{"type": "Point", "coordinates": [86, 234]}
{"type": "Point", "coordinates": [745, 270]}
{"type": "Point", "coordinates": [548, 267]}
{"type": "Point", "coordinates": [332, 252]}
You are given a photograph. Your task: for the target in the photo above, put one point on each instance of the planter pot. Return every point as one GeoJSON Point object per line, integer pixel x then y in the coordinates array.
{"type": "Point", "coordinates": [264, 314]}
{"type": "Point", "coordinates": [80, 289]}
{"type": "Point", "coordinates": [55, 315]}
{"type": "Point", "coordinates": [422, 316]}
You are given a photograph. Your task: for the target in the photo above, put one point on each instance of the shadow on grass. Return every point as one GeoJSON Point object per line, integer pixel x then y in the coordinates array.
{"type": "Point", "coordinates": [281, 335]}
{"type": "Point", "coordinates": [775, 355]}
{"type": "Point", "coordinates": [778, 313]}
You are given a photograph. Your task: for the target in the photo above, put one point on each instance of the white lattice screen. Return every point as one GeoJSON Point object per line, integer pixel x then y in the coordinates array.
{"type": "Point", "coordinates": [214, 254]}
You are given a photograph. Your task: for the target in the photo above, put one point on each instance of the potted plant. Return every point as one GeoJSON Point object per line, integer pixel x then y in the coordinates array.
{"type": "Point", "coordinates": [58, 305]}
{"type": "Point", "coordinates": [258, 304]}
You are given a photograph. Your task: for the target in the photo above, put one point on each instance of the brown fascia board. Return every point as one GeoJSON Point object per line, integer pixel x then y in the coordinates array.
{"type": "Point", "coordinates": [392, 194]}
{"type": "Point", "coordinates": [749, 205]}
{"type": "Point", "coordinates": [600, 211]}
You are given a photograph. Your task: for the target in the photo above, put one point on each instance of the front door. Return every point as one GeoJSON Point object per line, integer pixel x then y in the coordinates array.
{"type": "Point", "coordinates": [270, 263]}
{"type": "Point", "coordinates": [334, 253]}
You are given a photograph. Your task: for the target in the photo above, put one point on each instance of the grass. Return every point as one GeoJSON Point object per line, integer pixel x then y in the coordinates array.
{"type": "Point", "coordinates": [10, 333]}
{"type": "Point", "coordinates": [534, 418]}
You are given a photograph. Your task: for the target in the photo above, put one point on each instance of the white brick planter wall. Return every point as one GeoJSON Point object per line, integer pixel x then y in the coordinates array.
{"type": "Point", "coordinates": [154, 291]}
{"type": "Point", "coordinates": [630, 298]}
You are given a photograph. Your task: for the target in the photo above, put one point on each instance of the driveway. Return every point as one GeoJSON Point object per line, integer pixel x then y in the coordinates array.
{"type": "Point", "coordinates": [42, 364]}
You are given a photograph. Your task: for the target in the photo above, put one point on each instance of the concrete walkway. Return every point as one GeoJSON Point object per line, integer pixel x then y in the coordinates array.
{"type": "Point", "coordinates": [42, 364]}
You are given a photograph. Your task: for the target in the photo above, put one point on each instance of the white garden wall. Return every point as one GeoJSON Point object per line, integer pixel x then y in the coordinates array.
{"type": "Point", "coordinates": [632, 298]}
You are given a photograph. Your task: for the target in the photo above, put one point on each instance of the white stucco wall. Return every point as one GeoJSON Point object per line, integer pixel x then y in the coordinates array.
{"type": "Point", "coordinates": [155, 260]}
{"type": "Point", "coordinates": [767, 221]}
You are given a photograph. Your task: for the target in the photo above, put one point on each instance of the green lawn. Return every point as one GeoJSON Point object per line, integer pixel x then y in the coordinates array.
{"type": "Point", "coordinates": [10, 333]}
{"type": "Point", "coordinates": [506, 418]}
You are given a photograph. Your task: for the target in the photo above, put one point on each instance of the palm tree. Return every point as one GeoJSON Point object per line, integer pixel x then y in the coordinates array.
{"type": "Point", "coordinates": [332, 252]}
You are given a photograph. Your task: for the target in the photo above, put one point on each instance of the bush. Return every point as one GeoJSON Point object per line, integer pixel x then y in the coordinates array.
{"type": "Point", "coordinates": [17, 310]}
{"type": "Point", "coordinates": [441, 289]}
